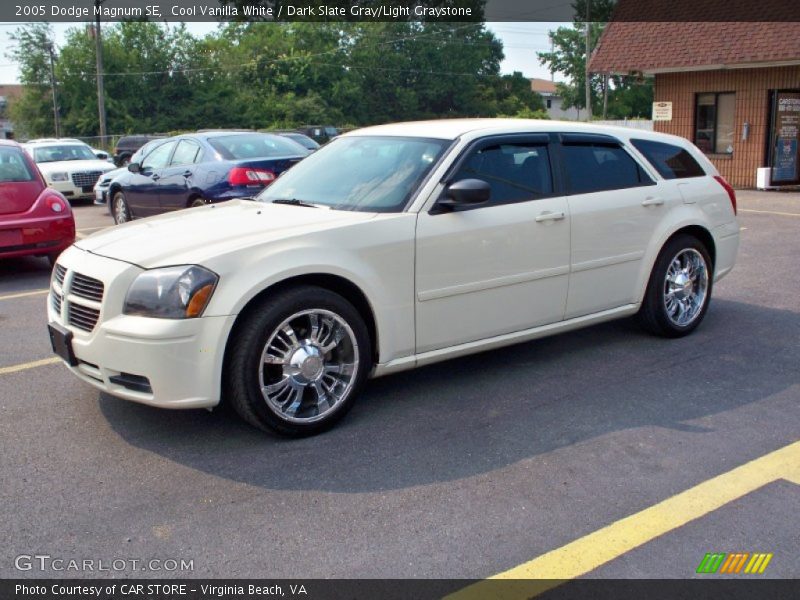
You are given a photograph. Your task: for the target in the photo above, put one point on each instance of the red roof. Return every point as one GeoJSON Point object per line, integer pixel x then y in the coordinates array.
{"type": "Point", "coordinates": [543, 86]}
{"type": "Point", "coordinates": [659, 47]}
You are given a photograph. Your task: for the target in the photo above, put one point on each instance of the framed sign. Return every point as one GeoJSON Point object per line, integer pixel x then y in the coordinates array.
{"type": "Point", "coordinates": [785, 137]}
{"type": "Point", "coordinates": [662, 111]}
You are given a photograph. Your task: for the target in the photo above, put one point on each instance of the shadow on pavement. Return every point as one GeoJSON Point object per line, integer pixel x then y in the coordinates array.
{"type": "Point", "coordinates": [480, 413]}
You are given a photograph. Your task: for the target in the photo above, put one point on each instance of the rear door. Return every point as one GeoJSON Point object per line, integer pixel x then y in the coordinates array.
{"type": "Point", "coordinates": [615, 208]}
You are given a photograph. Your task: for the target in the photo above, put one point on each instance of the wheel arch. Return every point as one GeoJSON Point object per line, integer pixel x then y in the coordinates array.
{"type": "Point", "coordinates": [334, 283]}
{"type": "Point", "coordinates": [693, 229]}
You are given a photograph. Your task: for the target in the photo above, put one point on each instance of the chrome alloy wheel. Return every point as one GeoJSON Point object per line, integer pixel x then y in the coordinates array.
{"type": "Point", "coordinates": [685, 287]}
{"type": "Point", "coordinates": [120, 209]}
{"type": "Point", "coordinates": [308, 365]}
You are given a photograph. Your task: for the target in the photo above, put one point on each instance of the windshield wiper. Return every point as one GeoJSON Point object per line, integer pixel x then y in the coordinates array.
{"type": "Point", "coordinates": [295, 202]}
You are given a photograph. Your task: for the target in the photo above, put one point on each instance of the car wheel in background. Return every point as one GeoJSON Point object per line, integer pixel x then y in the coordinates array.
{"type": "Point", "coordinates": [119, 208]}
{"type": "Point", "coordinates": [197, 202]}
{"type": "Point", "coordinates": [297, 360]}
{"type": "Point", "coordinates": [679, 289]}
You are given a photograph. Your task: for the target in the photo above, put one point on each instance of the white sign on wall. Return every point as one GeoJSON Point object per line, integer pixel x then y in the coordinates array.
{"type": "Point", "coordinates": [662, 111]}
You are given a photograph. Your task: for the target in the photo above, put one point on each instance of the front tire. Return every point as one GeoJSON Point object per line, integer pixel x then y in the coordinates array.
{"type": "Point", "coordinates": [119, 208]}
{"type": "Point", "coordinates": [195, 202]}
{"type": "Point", "coordinates": [297, 361]}
{"type": "Point", "coordinates": [679, 289]}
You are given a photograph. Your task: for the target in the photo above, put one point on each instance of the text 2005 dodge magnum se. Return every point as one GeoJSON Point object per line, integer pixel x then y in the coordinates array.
{"type": "Point", "coordinates": [389, 248]}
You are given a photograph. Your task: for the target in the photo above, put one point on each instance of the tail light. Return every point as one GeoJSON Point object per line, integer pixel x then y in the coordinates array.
{"type": "Point", "coordinates": [729, 189]}
{"type": "Point", "coordinates": [57, 205]}
{"type": "Point", "coordinates": [250, 176]}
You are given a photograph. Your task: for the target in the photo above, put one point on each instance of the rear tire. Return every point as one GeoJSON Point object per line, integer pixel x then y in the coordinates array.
{"type": "Point", "coordinates": [679, 289]}
{"type": "Point", "coordinates": [119, 208]}
{"type": "Point", "coordinates": [195, 202]}
{"type": "Point", "coordinates": [297, 361]}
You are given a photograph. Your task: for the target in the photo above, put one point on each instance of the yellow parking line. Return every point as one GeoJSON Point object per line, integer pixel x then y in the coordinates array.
{"type": "Point", "coordinates": [595, 549]}
{"type": "Point", "coordinates": [770, 212]}
{"type": "Point", "coordinates": [30, 365]}
{"type": "Point", "coordinates": [24, 294]}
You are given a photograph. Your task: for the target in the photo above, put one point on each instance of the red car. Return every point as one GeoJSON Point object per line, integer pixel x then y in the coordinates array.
{"type": "Point", "coordinates": [34, 219]}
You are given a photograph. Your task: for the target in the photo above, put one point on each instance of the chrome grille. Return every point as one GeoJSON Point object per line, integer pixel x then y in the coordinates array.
{"type": "Point", "coordinates": [86, 178]}
{"type": "Point", "coordinates": [59, 274]}
{"type": "Point", "coordinates": [82, 317]}
{"type": "Point", "coordinates": [87, 287]}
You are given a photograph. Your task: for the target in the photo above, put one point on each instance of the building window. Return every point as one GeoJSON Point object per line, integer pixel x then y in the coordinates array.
{"type": "Point", "coordinates": [713, 132]}
{"type": "Point", "coordinates": [549, 103]}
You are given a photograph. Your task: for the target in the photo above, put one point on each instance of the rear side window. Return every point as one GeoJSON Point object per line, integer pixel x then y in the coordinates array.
{"type": "Point", "coordinates": [515, 172]}
{"type": "Point", "coordinates": [13, 166]}
{"type": "Point", "coordinates": [599, 167]}
{"type": "Point", "coordinates": [671, 162]}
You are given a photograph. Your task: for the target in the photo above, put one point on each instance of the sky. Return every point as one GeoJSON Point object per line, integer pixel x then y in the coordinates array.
{"type": "Point", "coordinates": [520, 40]}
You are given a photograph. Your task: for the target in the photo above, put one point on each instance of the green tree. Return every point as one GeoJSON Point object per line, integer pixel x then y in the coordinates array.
{"type": "Point", "coordinates": [628, 96]}
{"type": "Point", "coordinates": [32, 113]}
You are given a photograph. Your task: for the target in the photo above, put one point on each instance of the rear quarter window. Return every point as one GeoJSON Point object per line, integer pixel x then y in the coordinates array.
{"type": "Point", "coordinates": [671, 162]}
{"type": "Point", "coordinates": [13, 166]}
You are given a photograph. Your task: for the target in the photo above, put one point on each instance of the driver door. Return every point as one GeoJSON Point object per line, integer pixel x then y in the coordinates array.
{"type": "Point", "coordinates": [142, 191]}
{"type": "Point", "coordinates": [499, 267]}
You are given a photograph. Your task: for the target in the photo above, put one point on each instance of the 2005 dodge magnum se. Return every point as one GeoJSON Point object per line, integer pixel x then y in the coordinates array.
{"type": "Point", "coordinates": [393, 247]}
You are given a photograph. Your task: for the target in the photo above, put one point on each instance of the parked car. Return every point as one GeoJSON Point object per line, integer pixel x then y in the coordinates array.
{"type": "Point", "coordinates": [300, 138]}
{"type": "Point", "coordinates": [104, 183]}
{"type": "Point", "coordinates": [68, 165]}
{"type": "Point", "coordinates": [102, 155]}
{"type": "Point", "coordinates": [34, 219]}
{"type": "Point", "coordinates": [200, 168]}
{"type": "Point", "coordinates": [393, 247]}
{"type": "Point", "coordinates": [319, 133]}
{"type": "Point", "coordinates": [127, 145]}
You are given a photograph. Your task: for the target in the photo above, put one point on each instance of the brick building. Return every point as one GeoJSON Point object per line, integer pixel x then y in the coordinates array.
{"type": "Point", "coordinates": [733, 88]}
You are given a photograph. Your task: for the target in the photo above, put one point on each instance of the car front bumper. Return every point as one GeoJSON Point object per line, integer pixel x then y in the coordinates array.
{"type": "Point", "coordinates": [169, 363]}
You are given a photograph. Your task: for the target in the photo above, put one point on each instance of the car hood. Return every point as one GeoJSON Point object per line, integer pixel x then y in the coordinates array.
{"type": "Point", "coordinates": [74, 165]}
{"type": "Point", "coordinates": [195, 235]}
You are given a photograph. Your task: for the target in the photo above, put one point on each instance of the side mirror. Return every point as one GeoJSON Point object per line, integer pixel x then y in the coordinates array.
{"type": "Point", "coordinates": [465, 193]}
{"type": "Point", "coordinates": [134, 167]}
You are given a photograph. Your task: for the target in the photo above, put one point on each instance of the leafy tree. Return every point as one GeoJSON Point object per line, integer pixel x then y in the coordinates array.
{"type": "Point", "coordinates": [627, 96]}
{"type": "Point", "coordinates": [32, 113]}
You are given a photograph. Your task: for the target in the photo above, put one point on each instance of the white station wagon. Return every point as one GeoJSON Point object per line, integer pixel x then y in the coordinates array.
{"type": "Point", "coordinates": [390, 248]}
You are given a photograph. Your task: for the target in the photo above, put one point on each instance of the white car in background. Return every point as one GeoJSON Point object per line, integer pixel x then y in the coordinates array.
{"type": "Point", "coordinates": [389, 248]}
{"type": "Point", "coordinates": [68, 165]}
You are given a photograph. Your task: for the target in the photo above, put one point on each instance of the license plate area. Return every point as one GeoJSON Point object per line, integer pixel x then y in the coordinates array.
{"type": "Point", "coordinates": [61, 341]}
{"type": "Point", "coordinates": [10, 237]}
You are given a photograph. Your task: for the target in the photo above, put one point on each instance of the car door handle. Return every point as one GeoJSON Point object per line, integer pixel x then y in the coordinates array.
{"type": "Point", "coordinates": [652, 201]}
{"type": "Point", "coordinates": [549, 216]}
{"type": "Point", "coordinates": [155, 177]}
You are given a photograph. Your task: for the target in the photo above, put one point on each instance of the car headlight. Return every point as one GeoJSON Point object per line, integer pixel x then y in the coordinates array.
{"type": "Point", "coordinates": [180, 292]}
{"type": "Point", "coordinates": [59, 176]}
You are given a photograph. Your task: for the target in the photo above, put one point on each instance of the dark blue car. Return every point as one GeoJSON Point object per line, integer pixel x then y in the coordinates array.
{"type": "Point", "coordinates": [198, 168]}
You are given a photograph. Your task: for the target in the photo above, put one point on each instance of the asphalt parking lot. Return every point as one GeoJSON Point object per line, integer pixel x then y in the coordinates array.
{"type": "Point", "coordinates": [601, 453]}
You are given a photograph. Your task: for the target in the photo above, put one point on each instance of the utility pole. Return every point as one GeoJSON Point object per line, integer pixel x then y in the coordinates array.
{"type": "Point", "coordinates": [587, 34]}
{"type": "Point", "coordinates": [101, 97]}
{"type": "Point", "coordinates": [51, 52]}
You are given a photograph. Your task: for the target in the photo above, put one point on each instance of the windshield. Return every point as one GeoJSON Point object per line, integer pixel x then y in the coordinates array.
{"type": "Point", "coordinates": [256, 145]}
{"type": "Point", "coordinates": [45, 154]}
{"type": "Point", "coordinates": [370, 174]}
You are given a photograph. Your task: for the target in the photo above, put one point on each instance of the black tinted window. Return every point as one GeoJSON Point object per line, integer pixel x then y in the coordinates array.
{"type": "Point", "coordinates": [671, 162]}
{"type": "Point", "coordinates": [516, 172]}
{"type": "Point", "coordinates": [594, 168]}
